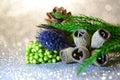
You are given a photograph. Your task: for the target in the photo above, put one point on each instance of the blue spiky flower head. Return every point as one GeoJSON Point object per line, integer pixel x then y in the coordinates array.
{"type": "Point", "coordinates": [52, 40]}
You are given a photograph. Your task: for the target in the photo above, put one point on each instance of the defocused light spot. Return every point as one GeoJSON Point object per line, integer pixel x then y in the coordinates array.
{"type": "Point", "coordinates": [108, 7]}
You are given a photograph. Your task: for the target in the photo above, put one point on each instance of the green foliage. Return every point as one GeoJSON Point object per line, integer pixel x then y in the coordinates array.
{"type": "Point", "coordinates": [92, 24]}
{"type": "Point", "coordinates": [36, 53]}
{"type": "Point", "coordinates": [59, 16]}
{"type": "Point", "coordinates": [110, 46]}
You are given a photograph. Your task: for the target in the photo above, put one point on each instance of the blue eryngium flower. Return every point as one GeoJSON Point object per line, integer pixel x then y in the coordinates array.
{"type": "Point", "coordinates": [51, 40]}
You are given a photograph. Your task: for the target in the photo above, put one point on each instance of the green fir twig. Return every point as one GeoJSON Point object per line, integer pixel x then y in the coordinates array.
{"type": "Point", "coordinates": [111, 46]}
{"type": "Point", "coordinates": [60, 16]}
{"type": "Point", "coordinates": [91, 24]}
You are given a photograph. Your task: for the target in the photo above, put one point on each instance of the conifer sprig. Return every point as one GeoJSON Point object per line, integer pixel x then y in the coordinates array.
{"type": "Point", "coordinates": [91, 24]}
{"type": "Point", "coordinates": [111, 46]}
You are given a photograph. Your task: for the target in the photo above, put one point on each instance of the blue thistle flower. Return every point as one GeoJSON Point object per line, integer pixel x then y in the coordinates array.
{"type": "Point", "coordinates": [51, 40]}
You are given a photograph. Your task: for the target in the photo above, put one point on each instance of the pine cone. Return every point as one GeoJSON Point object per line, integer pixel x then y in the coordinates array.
{"type": "Point", "coordinates": [53, 19]}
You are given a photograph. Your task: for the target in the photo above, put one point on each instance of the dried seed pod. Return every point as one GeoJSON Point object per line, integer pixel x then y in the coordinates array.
{"type": "Point", "coordinates": [65, 55]}
{"type": "Point", "coordinates": [99, 38]}
{"type": "Point", "coordinates": [53, 19]}
{"type": "Point", "coordinates": [79, 54]}
{"type": "Point", "coordinates": [101, 60]}
{"type": "Point", "coordinates": [81, 38]}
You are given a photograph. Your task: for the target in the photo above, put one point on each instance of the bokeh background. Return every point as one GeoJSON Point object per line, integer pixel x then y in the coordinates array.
{"type": "Point", "coordinates": [18, 21]}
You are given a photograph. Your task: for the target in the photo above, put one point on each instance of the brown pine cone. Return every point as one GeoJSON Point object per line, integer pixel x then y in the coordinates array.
{"type": "Point", "coordinates": [53, 19]}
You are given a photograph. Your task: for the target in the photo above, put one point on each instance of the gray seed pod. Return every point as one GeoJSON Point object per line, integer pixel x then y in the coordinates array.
{"type": "Point", "coordinates": [99, 38]}
{"type": "Point", "coordinates": [102, 60]}
{"type": "Point", "coordinates": [81, 38]}
{"type": "Point", "coordinates": [79, 54]}
{"type": "Point", "coordinates": [65, 55]}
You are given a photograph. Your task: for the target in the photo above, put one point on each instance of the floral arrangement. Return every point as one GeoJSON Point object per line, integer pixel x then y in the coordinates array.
{"type": "Point", "coordinates": [83, 39]}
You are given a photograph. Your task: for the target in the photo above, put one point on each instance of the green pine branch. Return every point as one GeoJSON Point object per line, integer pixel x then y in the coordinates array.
{"type": "Point", "coordinates": [60, 16]}
{"type": "Point", "coordinates": [111, 46]}
{"type": "Point", "coordinates": [91, 24]}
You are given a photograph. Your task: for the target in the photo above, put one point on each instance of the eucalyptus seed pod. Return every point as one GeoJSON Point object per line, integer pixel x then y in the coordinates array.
{"type": "Point", "coordinates": [79, 54]}
{"type": "Point", "coordinates": [65, 55]}
{"type": "Point", "coordinates": [81, 38]}
{"type": "Point", "coordinates": [99, 38]}
{"type": "Point", "coordinates": [101, 60]}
